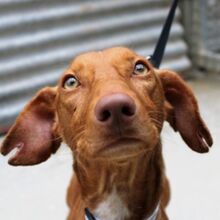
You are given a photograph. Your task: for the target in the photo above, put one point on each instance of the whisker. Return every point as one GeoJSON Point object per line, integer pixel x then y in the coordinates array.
{"type": "Point", "coordinates": [155, 121]}
{"type": "Point", "coordinates": [156, 111]}
{"type": "Point", "coordinates": [56, 138]}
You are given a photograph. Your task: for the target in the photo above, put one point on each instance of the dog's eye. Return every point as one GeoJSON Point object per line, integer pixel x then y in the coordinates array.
{"type": "Point", "coordinates": [71, 82]}
{"type": "Point", "coordinates": [140, 69]}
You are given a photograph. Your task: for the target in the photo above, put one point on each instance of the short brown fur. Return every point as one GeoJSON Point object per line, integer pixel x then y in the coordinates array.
{"type": "Point", "coordinates": [122, 157]}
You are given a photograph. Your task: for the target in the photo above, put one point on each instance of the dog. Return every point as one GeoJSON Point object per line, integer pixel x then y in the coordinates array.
{"type": "Point", "coordinates": [109, 107]}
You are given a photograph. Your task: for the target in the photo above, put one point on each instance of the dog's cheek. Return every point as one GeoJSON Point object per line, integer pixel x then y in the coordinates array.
{"type": "Point", "coordinates": [157, 112]}
{"type": "Point", "coordinates": [64, 125]}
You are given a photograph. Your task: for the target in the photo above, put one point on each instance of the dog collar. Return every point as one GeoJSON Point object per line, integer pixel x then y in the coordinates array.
{"type": "Point", "coordinates": [89, 216]}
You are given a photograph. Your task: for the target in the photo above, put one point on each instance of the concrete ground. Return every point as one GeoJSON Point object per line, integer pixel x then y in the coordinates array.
{"type": "Point", "coordinates": [38, 192]}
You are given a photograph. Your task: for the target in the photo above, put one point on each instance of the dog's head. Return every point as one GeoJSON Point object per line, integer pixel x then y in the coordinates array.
{"type": "Point", "coordinates": [108, 104]}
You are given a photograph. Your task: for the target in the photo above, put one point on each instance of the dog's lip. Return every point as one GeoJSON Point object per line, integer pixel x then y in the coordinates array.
{"type": "Point", "coordinates": [119, 142]}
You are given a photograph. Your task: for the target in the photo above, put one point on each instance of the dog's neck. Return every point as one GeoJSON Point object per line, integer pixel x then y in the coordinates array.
{"type": "Point", "coordinates": [122, 190]}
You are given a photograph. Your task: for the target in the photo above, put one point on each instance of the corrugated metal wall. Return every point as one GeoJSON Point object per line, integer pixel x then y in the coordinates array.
{"type": "Point", "coordinates": [202, 27]}
{"type": "Point", "coordinates": [38, 38]}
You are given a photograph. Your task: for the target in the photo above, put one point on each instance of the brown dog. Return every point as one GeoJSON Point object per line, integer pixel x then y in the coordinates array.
{"type": "Point", "coordinates": [109, 107]}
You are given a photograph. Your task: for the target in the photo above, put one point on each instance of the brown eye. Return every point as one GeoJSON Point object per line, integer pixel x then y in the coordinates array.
{"type": "Point", "coordinates": [71, 82]}
{"type": "Point", "coordinates": [140, 69]}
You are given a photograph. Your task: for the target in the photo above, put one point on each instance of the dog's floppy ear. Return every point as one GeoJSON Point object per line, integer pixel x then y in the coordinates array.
{"type": "Point", "coordinates": [183, 113]}
{"type": "Point", "coordinates": [34, 131]}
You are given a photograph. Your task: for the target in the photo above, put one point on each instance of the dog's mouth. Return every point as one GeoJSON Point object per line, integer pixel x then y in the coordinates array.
{"type": "Point", "coordinates": [121, 142]}
{"type": "Point", "coordinates": [121, 147]}
{"type": "Point", "coordinates": [130, 141]}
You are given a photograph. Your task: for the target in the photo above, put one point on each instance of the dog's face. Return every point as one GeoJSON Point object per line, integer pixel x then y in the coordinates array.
{"type": "Point", "coordinates": [108, 104]}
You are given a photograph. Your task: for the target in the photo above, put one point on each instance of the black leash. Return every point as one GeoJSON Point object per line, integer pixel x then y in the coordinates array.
{"type": "Point", "coordinates": [156, 58]}
{"type": "Point", "coordinates": [158, 54]}
{"type": "Point", "coordinates": [89, 216]}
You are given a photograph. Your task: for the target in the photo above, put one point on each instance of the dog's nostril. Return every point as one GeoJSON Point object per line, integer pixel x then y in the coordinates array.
{"type": "Point", "coordinates": [105, 115]}
{"type": "Point", "coordinates": [127, 110]}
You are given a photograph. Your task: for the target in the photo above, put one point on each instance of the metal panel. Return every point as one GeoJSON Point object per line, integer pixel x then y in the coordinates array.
{"type": "Point", "coordinates": [201, 20]}
{"type": "Point", "coordinates": [40, 37]}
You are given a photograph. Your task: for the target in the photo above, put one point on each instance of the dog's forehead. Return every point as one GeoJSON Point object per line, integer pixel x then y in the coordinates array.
{"type": "Point", "coordinates": [108, 57]}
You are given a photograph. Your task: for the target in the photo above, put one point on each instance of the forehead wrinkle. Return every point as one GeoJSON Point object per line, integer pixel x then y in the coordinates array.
{"type": "Point", "coordinates": [109, 62]}
{"type": "Point", "coordinates": [102, 66]}
{"type": "Point", "coordinates": [120, 57]}
{"type": "Point", "coordinates": [84, 65]}
{"type": "Point", "coordinates": [123, 65]}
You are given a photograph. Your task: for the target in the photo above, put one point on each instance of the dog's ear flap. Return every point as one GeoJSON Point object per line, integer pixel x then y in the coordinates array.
{"type": "Point", "coordinates": [34, 132]}
{"type": "Point", "coordinates": [182, 112]}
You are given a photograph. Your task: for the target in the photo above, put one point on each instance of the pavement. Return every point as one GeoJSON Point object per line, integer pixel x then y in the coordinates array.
{"type": "Point", "coordinates": [38, 192]}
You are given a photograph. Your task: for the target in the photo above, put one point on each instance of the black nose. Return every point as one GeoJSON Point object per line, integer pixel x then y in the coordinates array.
{"type": "Point", "coordinates": [117, 107]}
